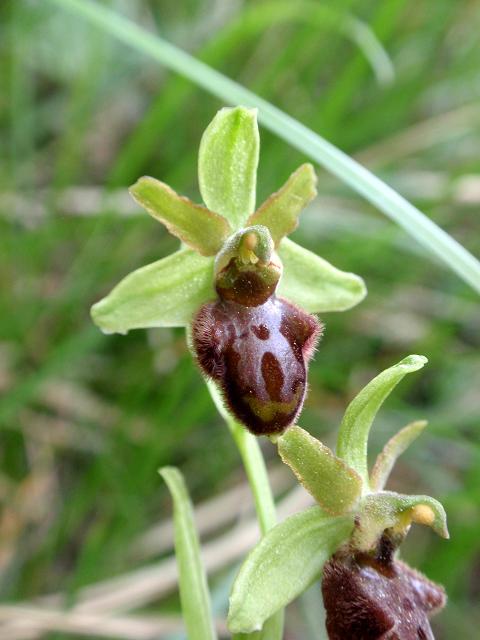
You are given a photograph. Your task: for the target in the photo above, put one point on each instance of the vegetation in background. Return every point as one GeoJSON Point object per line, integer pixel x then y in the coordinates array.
{"type": "Point", "coordinates": [85, 421]}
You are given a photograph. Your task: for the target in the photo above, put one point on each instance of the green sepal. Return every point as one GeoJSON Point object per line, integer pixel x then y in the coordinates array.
{"type": "Point", "coordinates": [314, 284]}
{"type": "Point", "coordinates": [353, 435]}
{"type": "Point", "coordinates": [194, 594]}
{"type": "Point", "coordinates": [391, 451]}
{"type": "Point", "coordinates": [285, 562]}
{"type": "Point", "coordinates": [387, 510]}
{"type": "Point", "coordinates": [165, 293]}
{"type": "Point", "coordinates": [227, 164]}
{"type": "Point", "coordinates": [280, 211]}
{"type": "Point", "coordinates": [332, 483]}
{"type": "Point", "coordinates": [198, 227]}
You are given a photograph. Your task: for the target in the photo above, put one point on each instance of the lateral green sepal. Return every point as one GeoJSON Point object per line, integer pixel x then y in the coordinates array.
{"type": "Point", "coordinates": [285, 562]}
{"type": "Point", "coordinates": [165, 293]}
{"type": "Point", "coordinates": [314, 284]}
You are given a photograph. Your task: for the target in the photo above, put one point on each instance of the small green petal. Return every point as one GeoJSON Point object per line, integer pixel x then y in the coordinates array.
{"type": "Point", "coordinates": [331, 482]}
{"type": "Point", "coordinates": [353, 435]}
{"type": "Point", "coordinates": [280, 212]}
{"type": "Point", "coordinates": [388, 509]}
{"type": "Point", "coordinates": [227, 164]}
{"type": "Point", "coordinates": [285, 562]}
{"type": "Point", "coordinates": [163, 294]}
{"type": "Point", "coordinates": [196, 226]}
{"type": "Point", "coordinates": [314, 284]}
{"type": "Point", "coordinates": [391, 451]}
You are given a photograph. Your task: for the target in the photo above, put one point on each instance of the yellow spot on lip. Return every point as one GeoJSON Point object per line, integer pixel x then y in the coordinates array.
{"type": "Point", "coordinates": [267, 411]}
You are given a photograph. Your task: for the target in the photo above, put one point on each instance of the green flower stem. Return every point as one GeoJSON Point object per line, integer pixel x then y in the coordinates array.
{"type": "Point", "coordinates": [257, 475]}
{"type": "Point", "coordinates": [256, 471]}
{"type": "Point", "coordinates": [253, 462]}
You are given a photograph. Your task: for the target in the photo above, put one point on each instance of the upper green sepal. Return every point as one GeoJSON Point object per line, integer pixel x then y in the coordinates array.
{"type": "Point", "coordinates": [355, 428]}
{"type": "Point", "coordinates": [165, 293]}
{"type": "Point", "coordinates": [227, 164]}
{"type": "Point", "coordinates": [334, 485]}
{"type": "Point", "coordinates": [198, 227]}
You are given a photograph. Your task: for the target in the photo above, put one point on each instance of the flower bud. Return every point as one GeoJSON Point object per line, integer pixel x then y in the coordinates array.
{"type": "Point", "coordinates": [374, 596]}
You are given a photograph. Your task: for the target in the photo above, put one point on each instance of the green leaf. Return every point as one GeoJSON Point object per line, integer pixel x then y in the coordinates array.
{"type": "Point", "coordinates": [391, 451]}
{"type": "Point", "coordinates": [353, 436]}
{"type": "Point", "coordinates": [285, 562]}
{"type": "Point", "coordinates": [314, 284]}
{"type": "Point", "coordinates": [196, 226]}
{"type": "Point", "coordinates": [194, 595]}
{"type": "Point", "coordinates": [387, 509]}
{"type": "Point", "coordinates": [227, 164]}
{"type": "Point", "coordinates": [332, 483]}
{"type": "Point", "coordinates": [280, 211]}
{"type": "Point", "coordinates": [163, 294]}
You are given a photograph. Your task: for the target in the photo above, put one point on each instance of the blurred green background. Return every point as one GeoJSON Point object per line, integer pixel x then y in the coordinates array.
{"type": "Point", "coordinates": [87, 419]}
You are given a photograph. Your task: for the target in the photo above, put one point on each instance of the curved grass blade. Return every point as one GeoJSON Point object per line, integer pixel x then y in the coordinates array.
{"type": "Point", "coordinates": [286, 561]}
{"type": "Point", "coordinates": [279, 213]}
{"type": "Point", "coordinates": [391, 451]}
{"type": "Point", "coordinates": [393, 205]}
{"type": "Point", "coordinates": [332, 483]}
{"type": "Point", "coordinates": [353, 435]}
{"type": "Point", "coordinates": [314, 284]}
{"type": "Point", "coordinates": [250, 23]}
{"type": "Point", "coordinates": [165, 293]}
{"type": "Point", "coordinates": [194, 594]}
{"type": "Point", "coordinates": [198, 227]}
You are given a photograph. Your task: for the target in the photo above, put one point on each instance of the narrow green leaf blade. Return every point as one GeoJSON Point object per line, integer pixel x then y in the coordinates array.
{"type": "Point", "coordinates": [387, 509]}
{"type": "Point", "coordinates": [280, 211]}
{"type": "Point", "coordinates": [332, 483]}
{"type": "Point", "coordinates": [163, 294]}
{"type": "Point", "coordinates": [227, 164]}
{"type": "Point", "coordinates": [198, 227]}
{"type": "Point", "coordinates": [286, 561]}
{"type": "Point", "coordinates": [391, 451]}
{"type": "Point", "coordinates": [194, 594]}
{"type": "Point", "coordinates": [353, 435]}
{"type": "Point", "coordinates": [314, 284]}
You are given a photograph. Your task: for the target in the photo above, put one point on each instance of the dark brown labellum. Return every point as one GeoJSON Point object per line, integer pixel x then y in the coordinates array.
{"type": "Point", "coordinates": [373, 597]}
{"type": "Point", "coordinates": [258, 355]}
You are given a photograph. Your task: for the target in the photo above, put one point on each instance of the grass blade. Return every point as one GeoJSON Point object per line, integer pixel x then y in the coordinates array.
{"type": "Point", "coordinates": [194, 593]}
{"type": "Point", "coordinates": [392, 204]}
